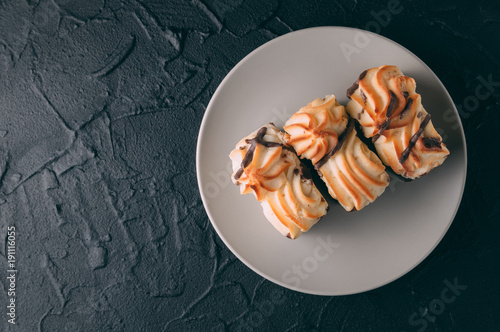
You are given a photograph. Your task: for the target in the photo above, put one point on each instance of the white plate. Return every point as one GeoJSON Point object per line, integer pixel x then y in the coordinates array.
{"type": "Point", "coordinates": [370, 248]}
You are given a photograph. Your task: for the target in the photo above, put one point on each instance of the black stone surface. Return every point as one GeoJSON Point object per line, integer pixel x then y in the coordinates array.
{"type": "Point", "coordinates": [100, 107]}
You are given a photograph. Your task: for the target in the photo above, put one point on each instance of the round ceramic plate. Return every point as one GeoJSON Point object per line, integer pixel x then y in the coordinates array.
{"type": "Point", "coordinates": [344, 253]}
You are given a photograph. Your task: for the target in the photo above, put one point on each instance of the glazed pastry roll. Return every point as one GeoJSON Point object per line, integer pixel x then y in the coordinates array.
{"type": "Point", "coordinates": [266, 166]}
{"type": "Point", "coordinates": [323, 132]}
{"type": "Point", "coordinates": [390, 112]}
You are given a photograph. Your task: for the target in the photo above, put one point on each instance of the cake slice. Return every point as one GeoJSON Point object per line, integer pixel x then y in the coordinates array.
{"type": "Point", "coordinates": [385, 103]}
{"type": "Point", "coordinates": [266, 166]}
{"type": "Point", "coordinates": [323, 132]}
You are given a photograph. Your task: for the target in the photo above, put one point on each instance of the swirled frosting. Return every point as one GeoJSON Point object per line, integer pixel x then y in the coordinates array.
{"type": "Point", "coordinates": [266, 166]}
{"type": "Point", "coordinates": [354, 175]}
{"type": "Point", "coordinates": [323, 132]}
{"type": "Point", "coordinates": [385, 103]}
{"type": "Point", "coordinates": [315, 128]}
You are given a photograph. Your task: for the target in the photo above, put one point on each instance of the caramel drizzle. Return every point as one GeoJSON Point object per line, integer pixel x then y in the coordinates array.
{"type": "Point", "coordinates": [340, 142]}
{"type": "Point", "coordinates": [258, 139]}
{"type": "Point", "coordinates": [386, 123]}
{"type": "Point", "coordinates": [414, 139]}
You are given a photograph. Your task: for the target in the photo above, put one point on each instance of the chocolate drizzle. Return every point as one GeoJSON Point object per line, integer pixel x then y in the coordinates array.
{"type": "Point", "coordinates": [388, 114]}
{"type": "Point", "coordinates": [414, 139]}
{"type": "Point", "coordinates": [258, 139]}
{"type": "Point", "coordinates": [381, 128]}
{"type": "Point", "coordinates": [355, 85]}
{"type": "Point", "coordinates": [431, 142]}
{"type": "Point", "coordinates": [363, 96]}
{"type": "Point", "coordinates": [384, 125]}
{"type": "Point", "coordinates": [409, 102]}
{"type": "Point", "coordinates": [362, 75]}
{"type": "Point", "coordinates": [391, 105]}
{"type": "Point", "coordinates": [340, 142]}
{"type": "Point", "coordinates": [351, 90]}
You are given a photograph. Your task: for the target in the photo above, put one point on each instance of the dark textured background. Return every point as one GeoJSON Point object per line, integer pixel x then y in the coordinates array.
{"type": "Point", "coordinates": [100, 107]}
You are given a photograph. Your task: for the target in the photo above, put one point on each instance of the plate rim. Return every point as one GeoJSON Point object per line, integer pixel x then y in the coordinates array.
{"type": "Point", "coordinates": [203, 128]}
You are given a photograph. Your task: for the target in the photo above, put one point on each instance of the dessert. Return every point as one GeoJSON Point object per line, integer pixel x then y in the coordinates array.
{"type": "Point", "coordinates": [323, 132]}
{"type": "Point", "coordinates": [265, 165]}
{"type": "Point", "coordinates": [390, 112]}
